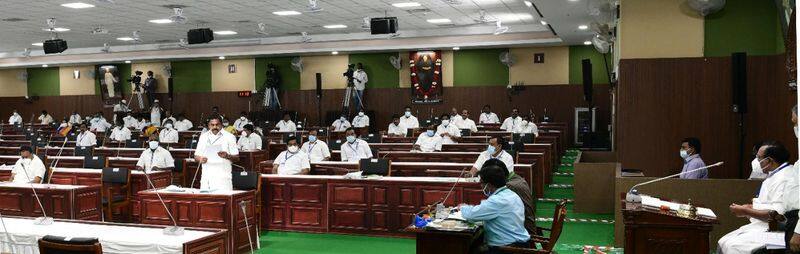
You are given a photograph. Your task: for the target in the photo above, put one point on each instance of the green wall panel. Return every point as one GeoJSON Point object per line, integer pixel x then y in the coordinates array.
{"type": "Point", "coordinates": [290, 78]}
{"type": "Point", "coordinates": [744, 26]}
{"type": "Point", "coordinates": [44, 82]}
{"type": "Point", "coordinates": [191, 76]}
{"type": "Point", "coordinates": [124, 74]}
{"type": "Point", "coordinates": [381, 73]}
{"type": "Point", "coordinates": [479, 67]}
{"type": "Point", "coordinates": [599, 72]}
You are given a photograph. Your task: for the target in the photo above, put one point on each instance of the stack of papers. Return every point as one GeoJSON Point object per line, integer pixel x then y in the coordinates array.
{"type": "Point", "coordinates": [658, 203]}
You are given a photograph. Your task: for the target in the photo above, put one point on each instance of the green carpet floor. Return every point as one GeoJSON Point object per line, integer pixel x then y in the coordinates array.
{"type": "Point", "coordinates": [581, 229]}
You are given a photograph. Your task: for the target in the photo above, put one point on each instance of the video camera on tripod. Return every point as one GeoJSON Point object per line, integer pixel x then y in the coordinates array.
{"type": "Point", "coordinates": [349, 74]}
{"type": "Point", "coordinates": [136, 80]}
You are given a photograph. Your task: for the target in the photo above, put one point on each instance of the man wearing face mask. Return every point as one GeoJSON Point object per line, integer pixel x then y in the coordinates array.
{"type": "Point", "coordinates": [455, 118]}
{"type": "Point", "coordinates": [757, 173]}
{"type": "Point", "coordinates": [791, 199]}
{"type": "Point", "coordinates": [168, 135]}
{"type": "Point", "coordinates": [527, 127]}
{"type": "Point", "coordinates": [85, 138]}
{"type": "Point", "coordinates": [75, 118]}
{"type": "Point", "coordinates": [120, 133]}
{"type": "Point", "coordinates": [772, 159]}
{"type": "Point", "coordinates": [45, 118]}
{"type": "Point", "coordinates": [487, 116]}
{"type": "Point", "coordinates": [428, 141]}
{"type": "Point", "coordinates": [466, 123]}
{"type": "Point", "coordinates": [169, 117]}
{"type": "Point", "coordinates": [293, 161]}
{"type": "Point", "coordinates": [396, 129]}
{"type": "Point", "coordinates": [502, 212]}
{"type": "Point", "coordinates": [216, 151]}
{"type": "Point", "coordinates": [361, 120]}
{"type": "Point", "coordinates": [249, 140]}
{"type": "Point", "coordinates": [341, 124]}
{"type": "Point", "coordinates": [130, 121]}
{"type": "Point", "coordinates": [15, 118]}
{"type": "Point", "coordinates": [228, 127]}
{"type": "Point", "coordinates": [317, 150]}
{"type": "Point", "coordinates": [155, 113]}
{"type": "Point", "coordinates": [120, 109]}
{"type": "Point", "coordinates": [449, 132]}
{"type": "Point", "coordinates": [155, 157]}
{"type": "Point", "coordinates": [241, 122]}
{"type": "Point", "coordinates": [690, 152]}
{"type": "Point", "coordinates": [99, 123]}
{"type": "Point", "coordinates": [354, 149]}
{"type": "Point", "coordinates": [286, 125]}
{"type": "Point", "coordinates": [408, 120]}
{"type": "Point", "coordinates": [494, 151]}
{"type": "Point", "coordinates": [29, 168]}
{"type": "Point", "coordinates": [183, 124]}
{"type": "Point", "coordinates": [512, 122]}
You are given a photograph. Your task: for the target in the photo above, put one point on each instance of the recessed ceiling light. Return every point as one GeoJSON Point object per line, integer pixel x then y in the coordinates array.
{"type": "Point", "coordinates": [456, 48]}
{"type": "Point", "coordinates": [337, 26]}
{"type": "Point", "coordinates": [221, 57]}
{"type": "Point", "coordinates": [61, 29]}
{"type": "Point", "coordinates": [544, 23]}
{"type": "Point", "coordinates": [161, 21]}
{"type": "Point", "coordinates": [286, 13]}
{"type": "Point", "coordinates": [127, 61]}
{"type": "Point", "coordinates": [528, 3]}
{"type": "Point", "coordinates": [226, 32]}
{"type": "Point", "coordinates": [573, 0]}
{"type": "Point", "coordinates": [439, 21]}
{"type": "Point", "coordinates": [44, 66]}
{"type": "Point", "coordinates": [587, 43]}
{"type": "Point", "coordinates": [78, 5]}
{"type": "Point", "coordinates": [124, 39]}
{"type": "Point", "coordinates": [583, 27]}
{"type": "Point", "coordinates": [38, 44]}
{"type": "Point", "coordinates": [335, 53]}
{"type": "Point", "coordinates": [406, 4]}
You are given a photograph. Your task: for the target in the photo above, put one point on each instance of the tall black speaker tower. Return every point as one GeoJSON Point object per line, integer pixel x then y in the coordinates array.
{"type": "Point", "coordinates": [586, 69]}
{"type": "Point", "coordinates": [739, 81]}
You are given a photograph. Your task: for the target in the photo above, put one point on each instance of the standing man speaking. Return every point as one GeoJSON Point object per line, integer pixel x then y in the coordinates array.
{"type": "Point", "coordinates": [216, 151]}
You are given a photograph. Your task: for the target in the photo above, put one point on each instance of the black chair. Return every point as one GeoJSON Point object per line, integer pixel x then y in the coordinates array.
{"type": "Point", "coordinates": [177, 172]}
{"type": "Point", "coordinates": [96, 162]}
{"type": "Point", "coordinates": [39, 142]}
{"type": "Point", "coordinates": [527, 138]}
{"type": "Point", "coordinates": [381, 167]}
{"type": "Point", "coordinates": [133, 143]}
{"type": "Point", "coordinates": [288, 136]}
{"type": "Point", "coordinates": [249, 180]}
{"type": "Point", "coordinates": [466, 132]}
{"type": "Point", "coordinates": [336, 145]}
{"type": "Point", "coordinates": [84, 151]}
{"type": "Point", "coordinates": [72, 136]}
{"type": "Point", "coordinates": [191, 144]}
{"type": "Point", "coordinates": [62, 245]}
{"type": "Point", "coordinates": [116, 190]}
{"type": "Point", "coordinates": [372, 138]}
{"type": "Point", "coordinates": [30, 134]}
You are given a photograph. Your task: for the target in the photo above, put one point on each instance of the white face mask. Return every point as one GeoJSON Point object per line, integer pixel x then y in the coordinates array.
{"type": "Point", "coordinates": [168, 126]}
{"type": "Point", "coordinates": [360, 113]}
{"type": "Point", "coordinates": [293, 149]}
{"type": "Point", "coordinates": [756, 165]}
{"type": "Point", "coordinates": [445, 122]}
{"type": "Point", "coordinates": [153, 145]}
{"type": "Point", "coordinates": [242, 118]}
{"type": "Point", "coordinates": [796, 132]}
{"type": "Point", "coordinates": [684, 154]}
{"type": "Point", "coordinates": [524, 122]}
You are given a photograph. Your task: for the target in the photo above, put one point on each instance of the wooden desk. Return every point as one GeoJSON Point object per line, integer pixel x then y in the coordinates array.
{"type": "Point", "coordinates": [59, 201]}
{"type": "Point", "coordinates": [488, 126]}
{"type": "Point", "coordinates": [12, 137]}
{"type": "Point", "coordinates": [63, 161]}
{"type": "Point", "coordinates": [250, 159]}
{"type": "Point", "coordinates": [649, 230]}
{"type": "Point", "coordinates": [15, 143]}
{"type": "Point", "coordinates": [54, 151]}
{"type": "Point", "coordinates": [205, 210]}
{"type": "Point", "coordinates": [118, 152]}
{"type": "Point", "coordinates": [438, 242]}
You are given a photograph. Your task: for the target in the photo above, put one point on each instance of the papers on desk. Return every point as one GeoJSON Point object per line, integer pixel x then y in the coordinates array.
{"type": "Point", "coordinates": [658, 203]}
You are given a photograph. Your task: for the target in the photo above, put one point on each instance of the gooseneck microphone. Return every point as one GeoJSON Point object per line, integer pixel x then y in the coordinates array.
{"type": "Point", "coordinates": [174, 229]}
{"type": "Point", "coordinates": [44, 220]}
{"type": "Point", "coordinates": [633, 194]}
{"type": "Point", "coordinates": [243, 204]}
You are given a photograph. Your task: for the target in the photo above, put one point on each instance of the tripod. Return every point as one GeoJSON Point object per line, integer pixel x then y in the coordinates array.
{"type": "Point", "coordinates": [271, 100]}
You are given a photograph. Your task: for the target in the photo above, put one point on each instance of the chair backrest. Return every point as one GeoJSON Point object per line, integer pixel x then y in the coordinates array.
{"type": "Point", "coordinates": [72, 136]}
{"type": "Point", "coordinates": [245, 180]}
{"type": "Point", "coordinates": [39, 142]}
{"type": "Point", "coordinates": [466, 132]}
{"type": "Point", "coordinates": [372, 138]}
{"type": "Point", "coordinates": [559, 216]}
{"type": "Point", "coordinates": [62, 245]}
{"type": "Point", "coordinates": [381, 167]}
{"type": "Point", "coordinates": [97, 162]}
{"type": "Point", "coordinates": [178, 166]}
{"type": "Point", "coordinates": [191, 144]}
{"type": "Point", "coordinates": [116, 175]}
{"type": "Point", "coordinates": [335, 144]}
{"type": "Point", "coordinates": [133, 143]}
{"type": "Point", "coordinates": [83, 151]}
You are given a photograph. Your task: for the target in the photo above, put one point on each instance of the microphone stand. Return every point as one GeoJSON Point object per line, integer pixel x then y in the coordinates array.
{"type": "Point", "coordinates": [52, 165]}
{"type": "Point", "coordinates": [44, 220]}
{"type": "Point", "coordinates": [243, 204]}
{"type": "Point", "coordinates": [198, 165]}
{"type": "Point", "coordinates": [173, 230]}
{"type": "Point", "coordinates": [8, 235]}
{"type": "Point", "coordinates": [633, 194]}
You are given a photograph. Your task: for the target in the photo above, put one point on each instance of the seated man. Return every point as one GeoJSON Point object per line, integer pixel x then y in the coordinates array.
{"type": "Point", "coordinates": [45, 118]}
{"type": "Point", "coordinates": [316, 149]}
{"type": "Point", "coordinates": [120, 133]}
{"type": "Point", "coordinates": [293, 161]}
{"type": "Point", "coordinates": [85, 137]}
{"type": "Point", "coordinates": [249, 140]}
{"type": "Point", "coordinates": [396, 129]}
{"type": "Point", "coordinates": [408, 120]}
{"type": "Point", "coordinates": [428, 141]}
{"type": "Point", "coordinates": [169, 117]}
{"type": "Point", "coordinates": [502, 212]}
{"type": "Point", "coordinates": [15, 118]}
{"type": "Point", "coordinates": [518, 185]}
{"type": "Point", "coordinates": [449, 132]}
{"type": "Point", "coordinates": [168, 134]}
{"type": "Point", "coordinates": [512, 122]}
{"type": "Point", "coordinates": [466, 123]}
{"type": "Point", "coordinates": [75, 118]}
{"type": "Point", "coordinates": [143, 123]}
{"type": "Point", "coordinates": [690, 152]}
{"type": "Point", "coordinates": [183, 124]}
{"type": "Point", "coordinates": [361, 120]}
{"type": "Point", "coordinates": [29, 168]}
{"type": "Point", "coordinates": [527, 127]}
{"type": "Point", "coordinates": [155, 157]}
{"type": "Point", "coordinates": [354, 149]}
{"type": "Point", "coordinates": [494, 151]}
{"type": "Point", "coordinates": [341, 124]}
{"type": "Point", "coordinates": [286, 125]}
{"type": "Point", "coordinates": [241, 122]}
{"type": "Point", "coordinates": [487, 116]}
{"type": "Point", "coordinates": [130, 121]}
{"type": "Point", "coordinates": [772, 159]}
{"type": "Point", "coordinates": [99, 123]}
{"type": "Point", "coordinates": [228, 127]}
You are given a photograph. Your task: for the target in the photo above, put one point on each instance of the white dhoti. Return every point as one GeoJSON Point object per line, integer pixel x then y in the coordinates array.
{"type": "Point", "coordinates": [155, 118]}
{"type": "Point", "coordinates": [216, 176]}
{"type": "Point", "coordinates": [746, 239]}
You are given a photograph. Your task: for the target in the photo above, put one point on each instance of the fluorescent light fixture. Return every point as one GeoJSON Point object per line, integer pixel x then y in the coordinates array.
{"type": "Point", "coordinates": [456, 48]}
{"type": "Point", "coordinates": [160, 21]}
{"type": "Point", "coordinates": [44, 66]}
{"type": "Point", "coordinates": [38, 44]}
{"type": "Point", "coordinates": [583, 27]}
{"type": "Point", "coordinates": [221, 57]}
{"type": "Point", "coordinates": [78, 5]}
{"type": "Point", "coordinates": [406, 4]}
{"type": "Point", "coordinates": [226, 32]}
{"type": "Point", "coordinates": [587, 43]}
{"type": "Point", "coordinates": [127, 61]}
{"type": "Point", "coordinates": [337, 26]}
{"type": "Point", "coordinates": [544, 23]}
{"type": "Point", "coordinates": [61, 29]}
{"type": "Point", "coordinates": [439, 21]}
{"type": "Point", "coordinates": [124, 39]}
{"type": "Point", "coordinates": [286, 13]}
{"type": "Point", "coordinates": [335, 53]}
{"type": "Point", "coordinates": [528, 3]}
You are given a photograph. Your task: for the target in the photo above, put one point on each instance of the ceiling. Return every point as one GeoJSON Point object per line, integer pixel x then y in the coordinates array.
{"type": "Point", "coordinates": [22, 21]}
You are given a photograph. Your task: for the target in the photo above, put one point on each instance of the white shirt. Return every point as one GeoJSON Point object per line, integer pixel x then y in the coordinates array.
{"type": "Point", "coordinates": [249, 143]}
{"type": "Point", "coordinates": [361, 121]}
{"type": "Point", "coordinates": [410, 122]}
{"type": "Point", "coordinates": [120, 134]}
{"type": "Point", "coordinates": [99, 124]}
{"type": "Point", "coordinates": [163, 122]}
{"type": "Point", "coordinates": [86, 138]}
{"type": "Point", "coordinates": [468, 124]}
{"type": "Point", "coordinates": [488, 118]}
{"type": "Point", "coordinates": [360, 79]}
{"type": "Point", "coordinates": [75, 119]}
{"type": "Point", "coordinates": [791, 191]}
{"type": "Point", "coordinates": [25, 170]}
{"type": "Point", "coordinates": [503, 156]}
{"type": "Point", "coordinates": [168, 136]}
{"type": "Point", "coordinates": [155, 116]}
{"type": "Point", "coordinates": [142, 124]}
{"type": "Point", "coordinates": [161, 159]}
{"type": "Point", "coordinates": [340, 125]}
{"type": "Point", "coordinates": [240, 123]}
{"type": "Point", "coordinates": [450, 129]}
{"type": "Point", "coordinates": [316, 151]}
{"type": "Point", "coordinates": [528, 127]}
{"type": "Point", "coordinates": [429, 144]}
{"type": "Point", "coordinates": [130, 122]}
{"type": "Point", "coordinates": [46, 119]}
{"type": "Point", "coordinates": [286, 126]}
{"type": "Point", "coordinates": [121, 108]}
{"type": "Point", "coordinates": [510, 123]}
{"type": "Point", "coordinates": [216, 171]}
{"type": "Point", "coordinates": [183, 125]}
{"type": "Point", "coordinates": [291, 164]}
{"type": "Point", "coordinates": [14, 119]}
{"type": "Point", "coordinates": [398, 129]}
{"type": "Point", "coordinates": [356, 151]}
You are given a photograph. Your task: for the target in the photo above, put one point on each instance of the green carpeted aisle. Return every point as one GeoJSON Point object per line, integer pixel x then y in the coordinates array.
{"type": "Point", "coordinates": [579, 230]}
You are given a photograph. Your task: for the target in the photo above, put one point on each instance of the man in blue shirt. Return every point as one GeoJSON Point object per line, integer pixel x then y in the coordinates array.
{"type": "Point", "coordinates": [502, 213]}
{"type": "Point", "coordinates": [690, 152]}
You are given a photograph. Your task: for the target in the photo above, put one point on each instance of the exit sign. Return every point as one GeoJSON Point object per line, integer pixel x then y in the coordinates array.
{"type": "Point", "coordinates": [245, 93]}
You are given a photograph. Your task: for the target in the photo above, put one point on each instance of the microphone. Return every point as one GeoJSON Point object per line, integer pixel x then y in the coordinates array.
{"type": "Point", "coordinates": [443, 200]}
{"type": "Point", "coordinates": [174, 230]}
{"type": "Point", "coordinates": [44, 220]}
{"type": "Point", "coordinates": [633, 194]}
{"type": "Point", "coordinates": [243, 169]}
{"type": "Point", "coordinates": [243, 204]}
{"type": "Point", "coordinates": [55, 163]}
{"type": "Point", "coordinates": [5, 230]}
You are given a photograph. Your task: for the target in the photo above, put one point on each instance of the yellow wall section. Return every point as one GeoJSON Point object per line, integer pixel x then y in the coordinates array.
{"type": "Point", "coordinates": [244, 79]}
{"type": "Point", "coordinates": [10, 86]}
{"type": "Point", "coordinates": [82, 86]}
{"type": "Point", "coordinates": [554, 70]}
{"type": "Point", "coordinates": [158, 72]}
{"type": "Point", "coordinates": [659, 29]}
{"type": "Point", "coordinates": [405, 71]}
{"type": "Point", "coordinates": [331, 68]}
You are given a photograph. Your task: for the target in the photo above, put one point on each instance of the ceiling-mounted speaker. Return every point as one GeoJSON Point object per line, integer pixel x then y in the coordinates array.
{"type": "Point", "coordinates": [200, 35]}
{"type": "Point", "coordinates": [54, 46]}
{"type": "Point", "coordinates": [386, 25]}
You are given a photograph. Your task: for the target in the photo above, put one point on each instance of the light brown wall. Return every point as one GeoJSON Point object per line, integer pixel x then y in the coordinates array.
{"type": "Point", "coordinates": [243, 80]}
{"type": "Point", "coordinates": [659, 29]}
{"type": "Point", "coordinates": [593, 193]}
{"type": "Point", "coordinates": [70, 86]}
{"type": "Point", "coordinates": [158, 73]}
{"type": "Point", "coordinates": [331, 68]}
{"type": "Point", "coordinates": [554, 70]}
{"type": "Point", "coordinates": [10, 85]}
